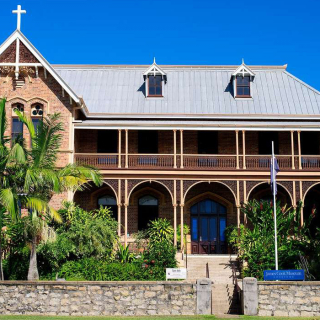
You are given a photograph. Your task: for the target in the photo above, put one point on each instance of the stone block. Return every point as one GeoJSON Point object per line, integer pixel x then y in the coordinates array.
{"type": "Point", "coordinates": [250, 296]}
{"type": "Point", "coordinates": [204, 296]}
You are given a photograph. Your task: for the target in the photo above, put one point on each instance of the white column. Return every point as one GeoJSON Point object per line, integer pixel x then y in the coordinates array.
{"type": "Point", "coordinates": [119, 148]}
{"type": "Point", "coordinates": [292, 150]}
{"type": "Point", "coordinates": [299, 150]}
{"type": "Point", "coordinates": [244, 148]}
{"type": "Point", "coordinates": [237, 147]}
{"type": "Point", "coordinates": [175, 149]}
{"type": "Point", "coordinates": [127, 137]}
{"type": "Point", "coordinates": [181, 148]}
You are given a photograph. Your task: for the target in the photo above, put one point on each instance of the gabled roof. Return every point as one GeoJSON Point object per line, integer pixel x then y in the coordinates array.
{"type": "Point", "coordinates": [243, 69]}
{"type": "Point", "coordinates": [154, 69]}
{"type": "Point", "coordinates": [19, 35]}
{"type": "Point", "coordinates": [191, 92]}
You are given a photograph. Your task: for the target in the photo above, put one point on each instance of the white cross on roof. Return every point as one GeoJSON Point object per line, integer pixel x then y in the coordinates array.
{"type": "Point", "coordinates": [19, 12]}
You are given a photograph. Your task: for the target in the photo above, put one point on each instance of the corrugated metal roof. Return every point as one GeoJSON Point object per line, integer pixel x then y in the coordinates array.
{"type": "Point", "coordinates": [193, 90]}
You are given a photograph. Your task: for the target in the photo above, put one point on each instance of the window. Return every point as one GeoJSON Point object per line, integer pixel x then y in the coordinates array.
{"type": "Point", "coordinates": [243, 86]}
{"type": "Point", "coordinates": [107, 141]}
{"type": "Point", "coordinates": [207, 142]}
{"type": "Point", "coordinates": [265, 142]}
{"type": "Point", "coordinates": [37, 110]}
{"type": "Point", "coordinates": [155, 86]}
{"type": "Point", "coordinates": [17, 129]}
{"type": "Point", "coordinates": [35, 122]}
{"type": "Point", "coordinates": [309, 143]}
{"type": "Point", "coordinates": [147, 211]}
{"type": "Point", "coordinates": [148, 141]}
{"type": "Point", "coordinates": [110, 202]}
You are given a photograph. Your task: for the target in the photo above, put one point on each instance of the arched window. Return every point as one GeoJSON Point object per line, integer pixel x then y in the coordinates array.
{"type": "Point", "coordinates": [36, 114]}
{"type": "Point", "coordinates": [148, 210]}
{"type": "Point", "coordinates": [17, 125]}
{"type": "Point", "coordinates": [110, 202]}
{"type": "Point", "coordinates": [148, 201]}
{"type": "Point", "coordinates": [208, 224]}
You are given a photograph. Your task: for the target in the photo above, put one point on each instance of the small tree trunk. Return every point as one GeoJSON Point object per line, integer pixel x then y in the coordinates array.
{"type": "Point", "coordinates": [1, 268]}
{"type": "Point", "coordinates": [33, 273]}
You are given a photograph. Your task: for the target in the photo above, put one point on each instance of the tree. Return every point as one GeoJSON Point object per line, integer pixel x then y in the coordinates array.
{"type": "Point", "coordinates": [12, 162]}
{"type": "Point", "coordinates": [40, 178]}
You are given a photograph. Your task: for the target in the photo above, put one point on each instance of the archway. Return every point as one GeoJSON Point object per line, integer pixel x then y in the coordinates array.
{"type": "Point", "coordinates": [209, 209]}
{"type": "Point", "coordinates": [92, 197]}
{"type": "Point", "coordinates": [263, 191]}
{"type": "Point", "coordinates": [148, 201]}
{"type": "Point", "coordinates": [311, 209]}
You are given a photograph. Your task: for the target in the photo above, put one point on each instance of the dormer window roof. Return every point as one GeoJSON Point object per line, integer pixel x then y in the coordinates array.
{"type": "Point", "coordinates": [242, 79]}
{"type": "Point", "coordinates": [243, 70]}
{"type": "Point", "coordinates": [154, 70]}
{"type": "Point", "coordinates": [154, 77]}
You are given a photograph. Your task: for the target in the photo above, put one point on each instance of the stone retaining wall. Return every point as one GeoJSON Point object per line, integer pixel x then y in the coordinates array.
{"type": "Point", "coordinates": [98, 298]}
{"type": "Point", "coordinates": [288, 298]}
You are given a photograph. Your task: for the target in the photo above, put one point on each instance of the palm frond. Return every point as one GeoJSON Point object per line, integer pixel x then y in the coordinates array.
{"type": "Point", "coordinates": [17, 154]}
{"type": "Point", "coordinates": [39, 205]}
{"type": "Point", "coordinates": [76, 177]}
{"type": "Point", "coordinates": [27, 121]}
{"type": "Point", "coordinates": [47, 141]}
{"type": "Point", "coordinates": [9, 202]}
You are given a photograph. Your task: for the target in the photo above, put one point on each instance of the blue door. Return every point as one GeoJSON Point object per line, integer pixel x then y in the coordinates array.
{"type": "Point", "coordinates": [208, 224]}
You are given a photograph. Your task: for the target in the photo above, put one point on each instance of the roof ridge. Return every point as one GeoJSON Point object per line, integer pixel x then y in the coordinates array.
{"type": "Point", "coordinates": [302, 82]}
{"type": "Point", "coordinates": [281, 67]}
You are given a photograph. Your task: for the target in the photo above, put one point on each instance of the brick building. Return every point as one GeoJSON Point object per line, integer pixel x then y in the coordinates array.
{"type": "Point", "coordinates": [186, 143]}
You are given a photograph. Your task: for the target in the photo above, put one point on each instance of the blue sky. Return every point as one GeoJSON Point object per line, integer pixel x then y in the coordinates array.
{"type": "Point", "coordinates": [175, 31]}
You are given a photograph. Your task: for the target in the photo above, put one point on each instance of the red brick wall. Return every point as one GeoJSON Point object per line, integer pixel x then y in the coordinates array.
{"type": "Point", "coordinates": [47, 92]}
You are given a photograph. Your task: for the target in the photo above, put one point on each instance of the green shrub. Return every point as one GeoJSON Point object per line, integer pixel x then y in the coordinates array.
{"type": "Point", "coordinates": [94, 270]}
{"type": "Point", "coordinates": [160, 230]}
{"type": "Point", "coordinates": [255, 244]}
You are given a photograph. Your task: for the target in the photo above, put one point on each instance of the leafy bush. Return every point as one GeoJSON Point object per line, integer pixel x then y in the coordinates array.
{"type": "Point", "coordinates": [101, 270]}
{"type": "Point", "coordinates": [160, 230]}
{"type": "Point", "coordinates": [255, 244]}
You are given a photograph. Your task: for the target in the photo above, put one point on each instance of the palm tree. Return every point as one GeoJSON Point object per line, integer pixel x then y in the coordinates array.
{"type": "Point", "coordinates": [41, 177]}
{"type": "Point", "coordinates": [12, 160]}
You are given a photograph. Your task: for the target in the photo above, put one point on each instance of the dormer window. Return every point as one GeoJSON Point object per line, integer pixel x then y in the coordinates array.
{"type": "Point", "coordinates": [155, 78]}
{"type": "Point", "coordinates": [242, 79]}
{"type": "Point", "coordinates": [243, 86]}
{"type": "Point", "coordinates": [155, 86]}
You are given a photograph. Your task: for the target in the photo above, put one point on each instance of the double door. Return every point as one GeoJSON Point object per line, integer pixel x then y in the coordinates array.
{"type": "Point", "coordinates": [208, 224]}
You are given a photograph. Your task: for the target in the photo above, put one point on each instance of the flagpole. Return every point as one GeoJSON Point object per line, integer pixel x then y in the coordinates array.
{"type": "Point", "coordinates": [274, 207]}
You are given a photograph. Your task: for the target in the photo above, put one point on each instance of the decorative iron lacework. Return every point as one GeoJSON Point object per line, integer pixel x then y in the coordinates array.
{"type": "Point", "coordinates": [251, 185]}
{"type": "Point", "coordinates": [289, 186]}
{"type": "Point", "coordinates": [306, 185]}
{"type": "Point", "coordinates": [114, 184]}
{"type": "Point", "coordinates": [134, 182]}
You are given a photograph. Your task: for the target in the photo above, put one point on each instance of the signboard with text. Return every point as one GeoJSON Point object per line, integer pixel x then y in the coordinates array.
{"type": "Point", "coordinates": [283, 275]}
{"type": "Point", "coordinates": [176, 273]}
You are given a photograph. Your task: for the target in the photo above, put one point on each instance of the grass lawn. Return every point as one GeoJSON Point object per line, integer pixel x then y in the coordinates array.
{"type": "Point", "coordinates": [151, 317]}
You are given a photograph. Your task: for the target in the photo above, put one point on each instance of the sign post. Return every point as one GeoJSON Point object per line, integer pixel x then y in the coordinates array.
{"type": "Point", "coordinates": [274, 171]}
{"type": "Point", "coordinates": [176, 273]}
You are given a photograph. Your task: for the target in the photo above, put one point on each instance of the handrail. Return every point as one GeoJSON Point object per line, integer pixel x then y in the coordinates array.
{"type": "Point", "coordinates": [235, 280]}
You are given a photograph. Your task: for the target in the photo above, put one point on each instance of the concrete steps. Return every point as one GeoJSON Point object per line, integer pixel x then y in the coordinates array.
{"type": "Point", "coordinates": [224, 296]}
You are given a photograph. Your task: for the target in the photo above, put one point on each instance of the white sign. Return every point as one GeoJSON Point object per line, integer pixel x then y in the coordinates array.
{"type": "Point", "coordinates": [172, 273]}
